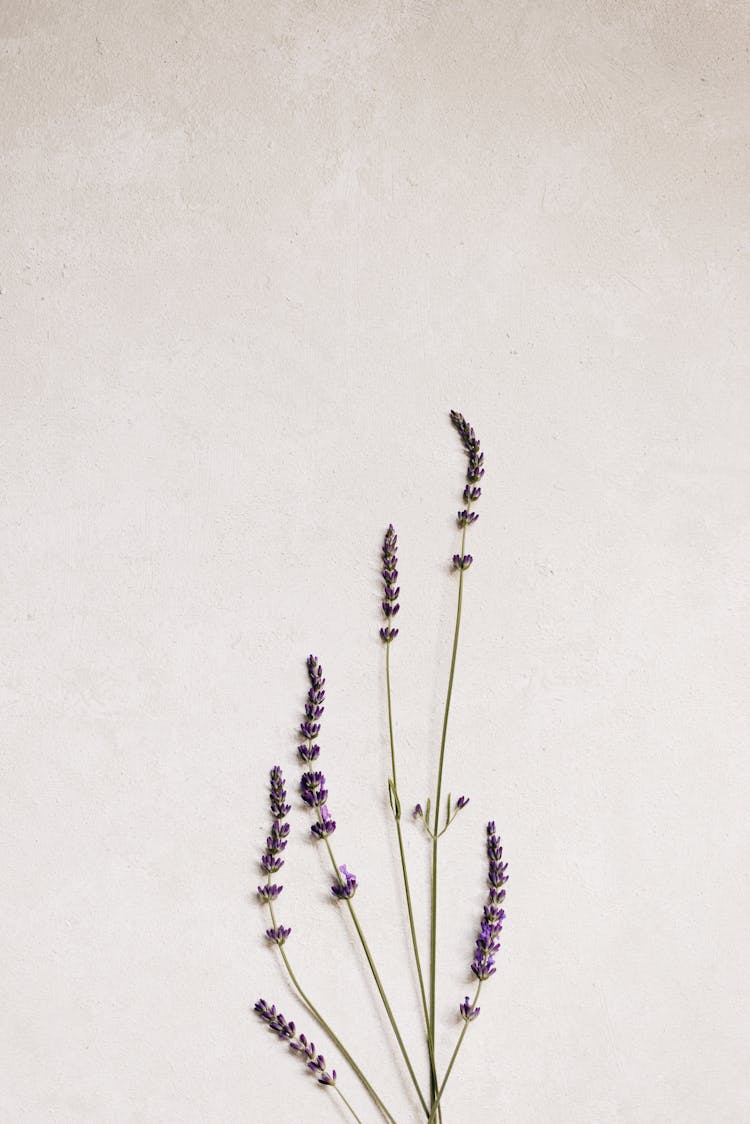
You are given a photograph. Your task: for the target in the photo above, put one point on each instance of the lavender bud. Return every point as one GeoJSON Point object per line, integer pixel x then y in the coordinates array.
{"type": "Point", "coordinates": [269, 893]}
{"type": "Point", "coordinates": [388, 634]}
{"type": "Point", "coordinates": [313, 790]}
{"type": "Point", "coordinates": [278, 935]}
{"type": "Point", "coordinates": [462, 561]}
{"type": "Point", "coordinates": [326, 826]}
{"type": "Point", "coordinates": [466, 517]}
{"type": "Point", "coordinates": [462, 801]}
{"type": "Point", "coordinates": [346, 888]}
{"type": "Point", "coordinates": [468, 1012]}
{"type": "Point", "coordinates": [418, 811]}
{"type": "Point", "coordinates": [271, 863]}
{"type": "Point", "coordinates": [308, 752]}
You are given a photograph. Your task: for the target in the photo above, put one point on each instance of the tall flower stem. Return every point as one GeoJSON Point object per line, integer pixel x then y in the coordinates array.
{"type": "Point", "coordinates": [378, 983]}
{"type": "Point", "coordinates": [454, 1055]}
{"type": "Point", "coordinates": [404, 870]}
{"type": "Point", "coordinates": [325, 1026]}
{"type": "Point", "coordinates": [438, 794]}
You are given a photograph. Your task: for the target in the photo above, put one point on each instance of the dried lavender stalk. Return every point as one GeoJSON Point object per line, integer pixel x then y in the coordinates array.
{"type": "Point", "coordinates": [312, 788]}
{"type": "Point", "coordinates": [461, 561]}
{"type": "Point", "coordinates": [486, 946]}
{"type": "Point", "coordinates": [388, 634]}
{"type": "Point", "coordinates": [271, 863]}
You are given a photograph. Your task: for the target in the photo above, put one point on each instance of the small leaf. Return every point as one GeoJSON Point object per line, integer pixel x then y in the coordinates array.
{"type": "Point", "coordinates": [394, 800]}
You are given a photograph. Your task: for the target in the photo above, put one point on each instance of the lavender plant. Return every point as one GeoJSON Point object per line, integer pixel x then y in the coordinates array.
{"type": "Point", "coordinates": [435, 820]}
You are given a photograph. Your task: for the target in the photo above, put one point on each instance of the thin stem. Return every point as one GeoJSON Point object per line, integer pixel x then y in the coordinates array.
{"type": "Point", "coordinates": [325, 1027]}
{"type": "Point", "coordinates": [407, 889]}
{"type": "Point", "coordinates": [433, 908]}
{"type": "Point", "coordinates": [347, 1104]}
{"type": "Point", "coordinates": [454, 1055]}
{"type": "Point", "coordinates": [378, 983]}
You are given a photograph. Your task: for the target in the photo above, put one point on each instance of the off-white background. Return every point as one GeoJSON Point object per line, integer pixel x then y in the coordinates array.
{"type": "Point", "coordinates": [251, 256]}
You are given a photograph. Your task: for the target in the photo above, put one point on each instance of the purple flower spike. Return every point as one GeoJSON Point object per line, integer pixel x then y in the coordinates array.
{"type": "Point", "coordinates": [346, 888]}
{"type": "Point", "coordinates": [314, 708]}
{"type": "Point", "coordinates": [462, 801]}
{"type": "Point", "coordinates": [487, 942]}
{"type": "Point", "coordinates": [287, 1032]}
{"type": "Point", "coordinates": [325, 827]}
{"type": "Point", "coordinates": [279, 808]}
{"type": "Point", "coordinates": [390, 589]}
{"type": "Point", "coordinates": [475, 468]}
{"type": "Point", "coordinates": [271, 861]}
{"type": "Point", "coordinates": [472, 491]}
{"type": "Point", "coordinates": [468, 1012]}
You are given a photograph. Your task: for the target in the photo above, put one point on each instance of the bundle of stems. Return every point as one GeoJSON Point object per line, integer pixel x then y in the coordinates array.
{"type": "Point", "coordinates": [428, 1089]}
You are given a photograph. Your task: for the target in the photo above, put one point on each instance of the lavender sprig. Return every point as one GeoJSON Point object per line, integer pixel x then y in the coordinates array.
{"type": "Point", "coordinates": [287, 1031]}
{"type": "Point", "coordinates": [461, 562]}
{"type": "Point", "coordinates": [487, 945]}
{"type": "Point", "coordinates": [391, 590]}
{"type": "Point", "coordinates": [312, 786]}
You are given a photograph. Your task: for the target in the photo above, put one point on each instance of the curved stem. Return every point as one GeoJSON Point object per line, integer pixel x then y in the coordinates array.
{"type": "Point", "coordinates": [407, 889]}
{"type": "Point", "coordinates": [326, 1028]}
{"type": "Point", "coordinates": [378, 983]}
{"type": "Point", "coordinates": [454, 1055]}
{"type": "Point", "coordinates": [438, 793]}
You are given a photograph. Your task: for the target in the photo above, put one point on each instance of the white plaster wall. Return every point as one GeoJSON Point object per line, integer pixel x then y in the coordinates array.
{"type": "Point", "coordinates": [252, 253]}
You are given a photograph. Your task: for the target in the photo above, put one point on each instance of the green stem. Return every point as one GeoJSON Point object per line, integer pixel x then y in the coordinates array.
{"type": "Point", "coordinates": [454, 1055]}
{"type": "Point", "coordinates": [325, 1027]}
{"type": "Point", "coordinates": [407, 889]}
{"type": "Point", "coordinates": [438, 793]}
{"type": "Point", "coordinates": [347, 1104]}
{"type": "Point", "coordinates": [378, 983]}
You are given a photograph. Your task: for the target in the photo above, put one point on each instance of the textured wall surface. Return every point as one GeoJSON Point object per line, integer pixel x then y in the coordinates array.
{"type": "Point", "coordinates": [250, 256]}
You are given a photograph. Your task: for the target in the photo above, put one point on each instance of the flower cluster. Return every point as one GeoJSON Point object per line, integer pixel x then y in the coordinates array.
{"type": "Point", "coordinates": [271, 861]}
{"type": "Point", "coordinates": [325, 826]}
{"type": "Point", "coordinates": [313, 789]}
{"type": "Point", "coordinates": [468, 1011]}
{"type": "Point", "coordinates": [278, 935]}
{"type": "Point", "coordinates": [390, 589]}
{"type": "Point", "coordinates": [346, 887]}
{"type": "Point", "coordinates": [462, 561]}
{"type": "Point", "coordinates": [276, 1022]}
{"type": "Point", "coordinates": [487, 943]}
